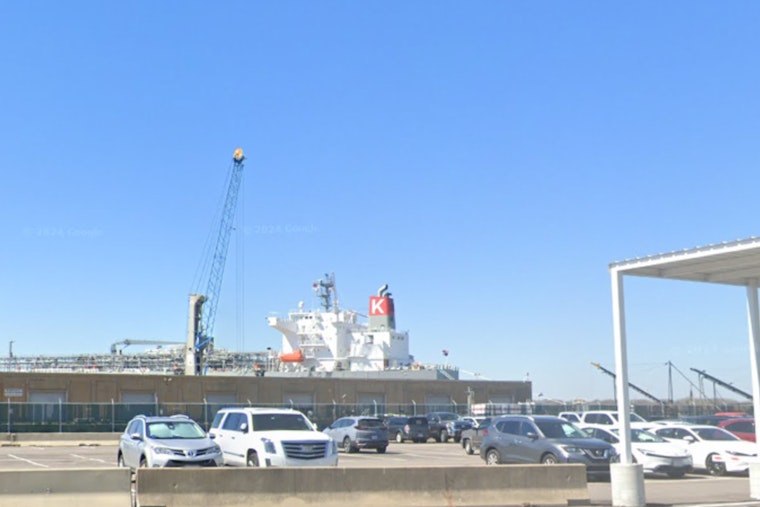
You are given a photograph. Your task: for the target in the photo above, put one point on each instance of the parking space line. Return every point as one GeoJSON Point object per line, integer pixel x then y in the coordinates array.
{"type": "Point", "coordinates": [28, 461]}
{"type": "Point", "coordinates": [90, 459]}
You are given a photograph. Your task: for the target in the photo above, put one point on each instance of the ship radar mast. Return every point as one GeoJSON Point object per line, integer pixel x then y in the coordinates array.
{"type": "Point", "coordinates": [325, 290]}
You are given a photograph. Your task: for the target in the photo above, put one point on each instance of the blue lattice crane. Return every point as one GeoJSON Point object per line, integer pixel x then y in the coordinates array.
{"type": "Point", "coordinates": [200, 338]}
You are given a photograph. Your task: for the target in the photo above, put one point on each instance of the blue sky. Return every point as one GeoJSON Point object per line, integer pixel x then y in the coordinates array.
{"type": "Point", "coordinates": [487, 160]}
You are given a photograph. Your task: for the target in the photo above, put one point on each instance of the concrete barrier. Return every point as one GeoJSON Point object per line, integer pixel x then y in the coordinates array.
{"type": "Point", "coordinates": [102, 487]}
{"type": "Point", "coordinates": [482, 486]}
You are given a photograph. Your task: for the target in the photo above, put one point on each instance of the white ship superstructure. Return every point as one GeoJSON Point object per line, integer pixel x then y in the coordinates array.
{"type": "Point", "coordinates": [330, 339]}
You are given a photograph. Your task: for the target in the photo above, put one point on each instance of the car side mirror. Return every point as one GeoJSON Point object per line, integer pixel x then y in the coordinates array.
{"type": "Point", "coordinates": [532, 435]}
{"type": "Point", "coordinates": [212, 435]}
{"type": "Point", "coordinates": [689, 439]}
{"type": "Point", "coordinates": [135, 436]}
{"type": "Point", "coordinates": [244, 428]}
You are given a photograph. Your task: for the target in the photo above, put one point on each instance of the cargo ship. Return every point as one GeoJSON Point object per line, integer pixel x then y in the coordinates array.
{"type": "Point", "coordinates": [335, 342]}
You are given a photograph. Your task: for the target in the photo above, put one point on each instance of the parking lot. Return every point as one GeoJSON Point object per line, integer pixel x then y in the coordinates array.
{"type": "Point", "coordinates": [694, 489]}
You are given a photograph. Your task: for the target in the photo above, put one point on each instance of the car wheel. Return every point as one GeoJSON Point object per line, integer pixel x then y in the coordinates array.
{"type": "Point", "coordinates": [399, 437]}
{"type": "Point", "coordinates": [252, 459]}
{"type": "Point", "coordinates": [381, 450]}
{"type": "Point", "coordinates": [120, 461]}
{"type": "Point", "coordinates": [443, 436]}
{"type": "Point", "coordinates": [468, 446]}
{"type": "Point", "coordinates": [347, 447]}
{"type": "Point", "coordinates": [549, 459]}
{"type": "Point", "coordinates": [493, 457]}
{"type": "Point", "coordinates": [715, 467]}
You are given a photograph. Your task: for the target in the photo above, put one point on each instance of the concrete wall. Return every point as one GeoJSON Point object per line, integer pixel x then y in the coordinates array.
{"type": "Point", "coordinates": [481, 486]}
{"type": "Point", "coordinates": [106, 387]}
{"type": "Point", "coordinates": [103, 487]}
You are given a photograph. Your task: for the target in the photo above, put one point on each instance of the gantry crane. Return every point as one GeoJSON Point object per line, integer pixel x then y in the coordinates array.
{"type": "Point", "coordinates": [635, 388]}
{"type": "Point", "coordinates": [715, 380]}
{"type": "Point", "coordinates": [200, 338]}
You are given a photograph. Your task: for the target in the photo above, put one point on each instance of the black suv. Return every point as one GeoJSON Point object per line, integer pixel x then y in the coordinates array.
{"type": "Point", "coordinates": [414, 428]}
{"type": "Point", "coordinates": [445, 425]}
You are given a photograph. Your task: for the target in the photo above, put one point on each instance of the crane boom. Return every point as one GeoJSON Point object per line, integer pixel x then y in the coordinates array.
{"type": "Point", "coordinates": [718, 381]}
{"type": "Point", "coordinates": [204, 306]}
{"type": "Point", "coordinates": [634, 387]}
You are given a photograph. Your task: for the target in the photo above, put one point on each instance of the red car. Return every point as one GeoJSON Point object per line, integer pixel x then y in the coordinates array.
{"type": "Point", "coordinates": [742, 427]}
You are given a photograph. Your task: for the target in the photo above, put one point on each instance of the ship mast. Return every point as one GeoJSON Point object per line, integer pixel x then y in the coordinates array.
{"type": "Point", "coordinates": [326, 291]}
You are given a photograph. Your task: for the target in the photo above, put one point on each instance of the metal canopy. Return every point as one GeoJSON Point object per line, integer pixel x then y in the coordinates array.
{"type": "Point", "coordinates": [732, 263]}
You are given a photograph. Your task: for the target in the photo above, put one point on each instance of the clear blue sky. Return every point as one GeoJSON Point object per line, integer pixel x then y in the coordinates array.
{"type": "Point", "coordinates": [487, 160]}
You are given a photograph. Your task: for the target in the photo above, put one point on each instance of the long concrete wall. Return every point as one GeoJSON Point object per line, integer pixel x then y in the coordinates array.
{"type": "Point", "coordinates": [481, 486]}
{"type": "Point", "coordinates": [101, 487]}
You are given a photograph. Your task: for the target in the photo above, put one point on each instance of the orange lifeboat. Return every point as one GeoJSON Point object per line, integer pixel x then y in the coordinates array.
{"type": "Point", "coordinates": [292, 357]}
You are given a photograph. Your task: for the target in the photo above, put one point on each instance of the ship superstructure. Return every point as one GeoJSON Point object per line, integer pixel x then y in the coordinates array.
{"type": "Point", "coordinates": [330, 339]}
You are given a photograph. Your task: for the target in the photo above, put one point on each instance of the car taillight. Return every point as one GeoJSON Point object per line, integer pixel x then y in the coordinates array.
{"type": "Point", "coordinates": [485, 432]}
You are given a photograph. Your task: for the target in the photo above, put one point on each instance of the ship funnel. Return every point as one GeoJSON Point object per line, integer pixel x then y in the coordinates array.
{"type": "Point", "coordinates": [381, 311]}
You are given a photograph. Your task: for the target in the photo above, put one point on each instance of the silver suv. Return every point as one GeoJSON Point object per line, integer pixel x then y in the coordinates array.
{"type": "Point", "coordinates": [166, 442]}
{"type": "Point", "coordinates": [267, 437]}
{"type": "Point", "coordinates": [356, 433]}
{"type": "Point", "coordinates": [544, 439]}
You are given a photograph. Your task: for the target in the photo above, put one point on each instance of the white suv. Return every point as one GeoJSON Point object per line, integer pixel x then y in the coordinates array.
{"type": "Point", "coordinates": [270, 437]}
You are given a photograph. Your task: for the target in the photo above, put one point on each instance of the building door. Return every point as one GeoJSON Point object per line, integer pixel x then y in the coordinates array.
{"type": "Point", "coordinates": [47, 406]}
{"type": "Point", "coordinates": [371, 404]}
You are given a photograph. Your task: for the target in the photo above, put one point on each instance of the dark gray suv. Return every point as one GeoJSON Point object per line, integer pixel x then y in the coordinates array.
{"type": "Point", "coordinates": [544, 439]}
{"type": "Point", "coordinates": [403, 428]}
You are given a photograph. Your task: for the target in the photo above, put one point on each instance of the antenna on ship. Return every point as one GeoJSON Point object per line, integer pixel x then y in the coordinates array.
{"type": "Point", "coordinates": [325, 290]}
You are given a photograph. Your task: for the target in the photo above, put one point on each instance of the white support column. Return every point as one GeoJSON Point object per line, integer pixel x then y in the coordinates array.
{"type": "Point", "coordinates": [753, 316]}
{"type": "Point", "coordinates": [626, 478]}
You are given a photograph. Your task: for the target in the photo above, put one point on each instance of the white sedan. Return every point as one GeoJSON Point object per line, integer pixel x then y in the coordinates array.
{"type": "Point", "coordinates": [655, 454]}
{"type": "Point", "coordinates": [713, 449]}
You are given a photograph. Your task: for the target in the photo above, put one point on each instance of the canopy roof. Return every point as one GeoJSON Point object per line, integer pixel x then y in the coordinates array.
{"type": "Point", "coordinates": [730, 263]}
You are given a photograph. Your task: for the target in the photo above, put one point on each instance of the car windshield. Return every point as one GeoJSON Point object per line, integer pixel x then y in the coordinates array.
{"type": "Point", "coordinates": [270, 422]}
{"type": "Point", "coordinates": [174, 430]}
{"type": "Point", "coordinates": [560, 429]}
{"type": "Point", "coordinates": [714, 434]}
{"type": "Point", "coordinates": [642, 436]}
